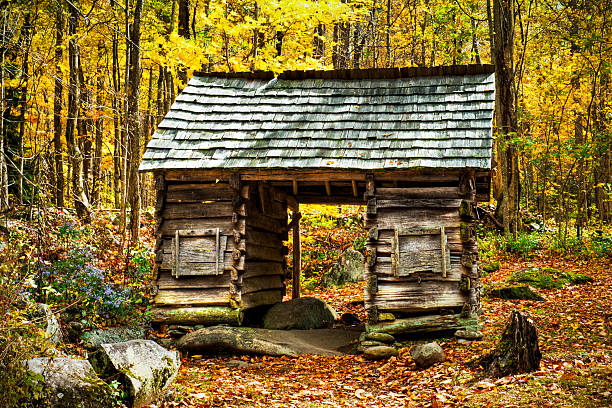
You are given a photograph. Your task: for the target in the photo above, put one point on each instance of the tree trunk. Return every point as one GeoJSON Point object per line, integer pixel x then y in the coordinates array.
{"type": "Point", "coordinates": [81, 203]}
{"type": "Point", "coordinates": [99, 123]}
{"type": "Point", "coordinates": [116, 125]}
{"type": "Point", "coordinates": [503, 20]}
{"type": "Point", "coordinates": [24, 43]}
{"type": "Point", "coordinates": [57, 109]}
{"type": "Point", "coordinates": [517, 351]}
{"type": "Point", "coordinates": [4, 195]}
{"type": "Point", "coordinates": [134, 129]}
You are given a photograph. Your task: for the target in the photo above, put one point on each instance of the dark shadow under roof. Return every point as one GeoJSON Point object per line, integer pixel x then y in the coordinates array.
{"type": "Point", "coordinates": [367, 119]}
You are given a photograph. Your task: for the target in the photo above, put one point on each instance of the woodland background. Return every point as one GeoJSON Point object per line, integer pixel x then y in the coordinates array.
{"type": "Point", "coordinates": [84, 84]}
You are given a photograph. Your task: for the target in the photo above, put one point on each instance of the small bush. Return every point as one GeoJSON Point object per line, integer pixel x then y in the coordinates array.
{"type": "Point", "coordinates": [524, 244]}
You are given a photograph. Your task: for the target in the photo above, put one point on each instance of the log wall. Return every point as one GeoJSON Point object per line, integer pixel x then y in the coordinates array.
{"type": "Point", "coordinates": [250, 223]}
{"type": "Point", "coordinates": [432, 220]}
{"type": "Point", "coordinates": [192, 209]}
{"type": "Point", "coordinates": [266, 229]}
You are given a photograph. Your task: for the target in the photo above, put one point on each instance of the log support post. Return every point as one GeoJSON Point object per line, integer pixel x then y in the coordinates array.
{"type": "Point", "coordinates": [297, 261]}
{"type": "Point", "coordinates": [239, 255]}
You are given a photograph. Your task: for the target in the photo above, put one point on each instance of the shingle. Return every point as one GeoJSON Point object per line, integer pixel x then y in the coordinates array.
{"type": "Point", "coordinates": [358, 124]}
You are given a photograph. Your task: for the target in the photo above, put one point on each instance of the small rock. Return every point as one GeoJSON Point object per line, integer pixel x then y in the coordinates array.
{"type": "Point", "coordinates": [379, 353]}
{"type": "Point", "coordinates": [348, 268]}
{"type": "Point", "coordinates": [349, 319]}
{"type": "Point", "coordinates": [238, 364]}
{"type": "Point", "coordinates": [464, 341]}
{"type": "Point", "coordinates": [302, 314]}
{"type": "Point", "coordinates": [468, 334]}
{"type": "Point", "coordinates": [94, 338]}
{"type": "Point", "coordinates": [426, 355]}
{"type": "Point", "coordinates": [370, 343]}
{"type": "Point", "coordinates": [144, 368]}
{"type": "Point", "coordinates": [382, 337]}
{"type": "Point", "coordinates": [71, 383]}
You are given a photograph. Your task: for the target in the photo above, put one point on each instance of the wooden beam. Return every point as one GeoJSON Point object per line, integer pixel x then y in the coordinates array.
{"type": "Point", "coordinates": [354, 184]}
{"type": "Point", "coordinates": [295, 187]}
{"type": "Point", "coordinates": [443, 246]}
{"type": "Point", "coordinates": [328, 188]}
{"type": "Point", "coordinates": [297, 261]}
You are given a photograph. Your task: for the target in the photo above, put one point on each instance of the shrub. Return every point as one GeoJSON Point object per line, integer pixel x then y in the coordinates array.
{"type": "Point", "coordinates": [524, 244]}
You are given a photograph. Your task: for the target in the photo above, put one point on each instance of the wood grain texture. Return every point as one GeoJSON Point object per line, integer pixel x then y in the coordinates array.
{"type": "Point", "coordinates": [193, 297]}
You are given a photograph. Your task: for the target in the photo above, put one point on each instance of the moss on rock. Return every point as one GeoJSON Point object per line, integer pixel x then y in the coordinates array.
{"type": "Point", "coordinates": [548, 278]}
{"type": "Point", "coordinates": [519, 292]}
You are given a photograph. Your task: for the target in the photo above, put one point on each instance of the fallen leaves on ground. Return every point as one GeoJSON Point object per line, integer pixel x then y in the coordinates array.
{"type": "Point", "coordinates": [576, 370]}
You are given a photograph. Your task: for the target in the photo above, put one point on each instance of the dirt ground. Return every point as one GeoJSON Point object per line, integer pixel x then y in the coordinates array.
{"type": "Point", "coordinates": [575, 331]}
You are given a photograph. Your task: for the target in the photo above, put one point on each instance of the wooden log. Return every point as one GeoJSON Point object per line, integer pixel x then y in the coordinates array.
{"type": "Point", "coordinates": [169, 227]}
{"type": "Point", "coordinates": [266, 297]}
{"type": "Point", "coordinates": [263, 238]}
{"type": "Point", "coordinates": [254, 269]}
{"type": "Point", "coordinates": [384, 271]}
{"type": "Point", "coordinates": [466, 209]}
{"type": "Point", "coordinates": [208, 316]}
{"type": "Point", "coordinates": [425, 324]}
{"type": "Point", "coordinates": [421, 297]}
{"type": "Point", "coordinates": [297, 258]}
{"type": "Point", "coordinates": [167, 281]}
{"type": "Point", "coordinates": [370, 186]}
{"type": "Point", "coordinates": [266, 223]}
{"type": "Point", "coordinates": [425, 175]}
{"type": "Point", "coordinates": [184, 193]}
{"type": "Point", "coordinates": [201, 210]}
{"type": "Point", "coordinates": [417, 192]}
{"type": "Point", "coordinates": [433, 203]}
{"type": "Point", "coordinates": [255, 284]}
{"type": "Point", "coordinates": [193, 297]}
{"type": "Point", "coordinates": [262, 253]}
{"type": "Point", "coordinates": [327, 188]}
{"type": "Point", "coordinates": [354, 186]}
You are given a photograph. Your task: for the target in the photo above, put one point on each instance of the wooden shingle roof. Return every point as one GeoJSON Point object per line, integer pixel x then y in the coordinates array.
{"type": "Point", "coordinates": [352, 119]}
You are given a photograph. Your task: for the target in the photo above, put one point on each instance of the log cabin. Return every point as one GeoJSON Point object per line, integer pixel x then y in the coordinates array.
{"type": "Point", "coordinates": [239, 152]}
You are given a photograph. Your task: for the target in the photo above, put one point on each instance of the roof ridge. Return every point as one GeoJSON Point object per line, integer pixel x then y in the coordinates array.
{"type": "Point", "coordinates": [356, 74]}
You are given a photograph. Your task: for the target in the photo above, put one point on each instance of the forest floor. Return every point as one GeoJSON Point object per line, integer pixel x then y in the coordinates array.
{"type": "Point", "coordinates": [575, 328]}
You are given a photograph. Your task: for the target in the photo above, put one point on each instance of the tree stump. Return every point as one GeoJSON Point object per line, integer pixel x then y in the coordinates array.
{"type": "Point", "coordinates": [517, 351]}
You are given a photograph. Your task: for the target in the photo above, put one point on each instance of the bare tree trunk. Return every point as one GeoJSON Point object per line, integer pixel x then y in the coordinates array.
{"type": "Point", "coordinates": [24, 43]}
{"type": "Point", "coordinates": [81, 203]}
{"type": "Point", "coordinates": [57, 108]}
{"type": "Point", "coordinates": [506, 121]}
{"type": "Point", "coordinates": [388, 34]}
{"type": "Point", "coordinates": [99, 123]}
{"type": "Point", "coordinates": [4, 195]}
{"type": "Point", "coordinates": [116, 126]}
{"type": "Point", "coordinates": [133, 114]}
{"type": "Point", "coordinates": [319, 42]}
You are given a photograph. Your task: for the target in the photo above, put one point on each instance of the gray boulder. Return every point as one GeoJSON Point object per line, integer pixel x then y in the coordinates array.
{"type": "Point", "coordinates": [468, 334]}
{"type": "Point", "coordinates": [301, 314]}
{"type": "Point", "coordinates": [143, 367]}
{"type": "Point", "coordinates": [70, 383]}
{"type": "Point", "coordinates": [379, 352]}
{"type": "Point", "coordinates": [94, 338]}
{"type": "Point", "coordinates": [426, 355]}
{"type": "Point", "coordinates": [47, 320]}
{"type": "Point", "coordinates": [348, 268]}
